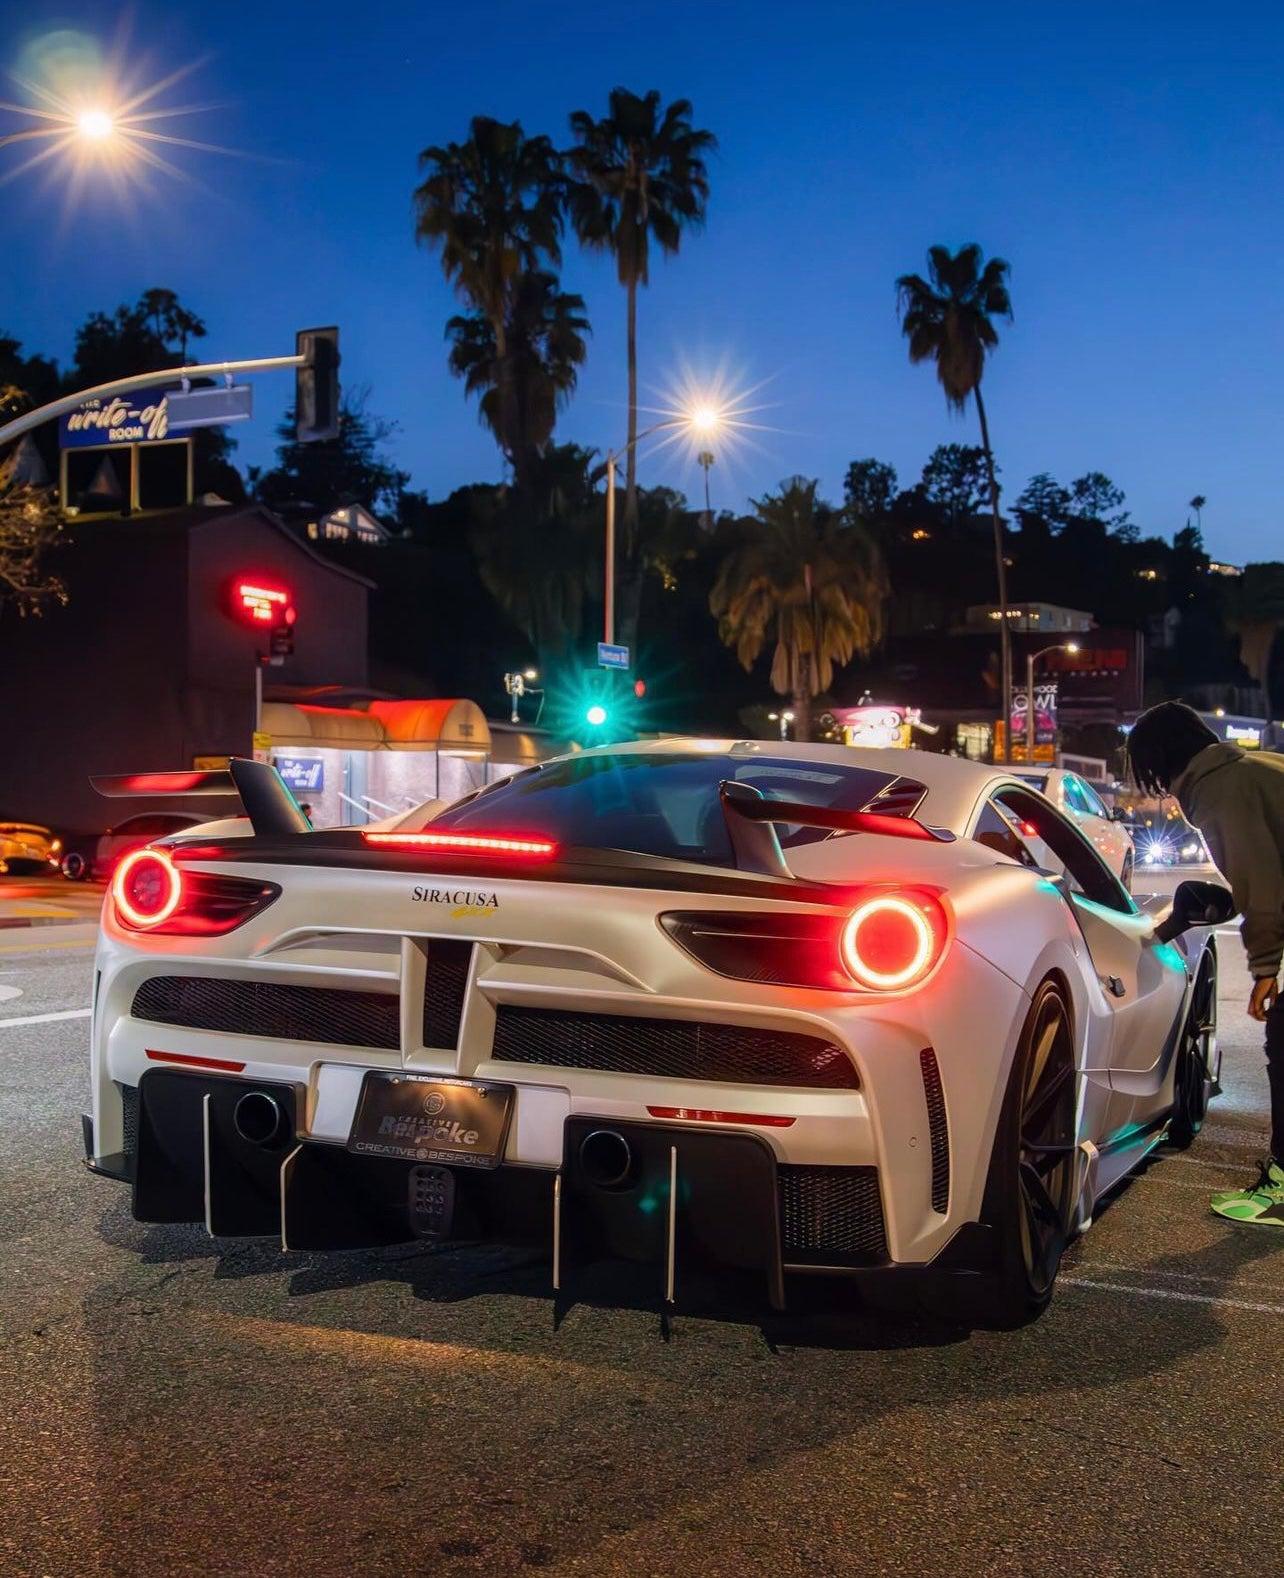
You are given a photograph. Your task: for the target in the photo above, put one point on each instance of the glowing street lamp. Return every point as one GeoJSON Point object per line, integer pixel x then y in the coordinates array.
{"type": "Point", "coordinates": [1030, 659]}
{"type": "Point", "coordinates": [95, 125]}
{"type": "Point", "coordinates": [700, 420]}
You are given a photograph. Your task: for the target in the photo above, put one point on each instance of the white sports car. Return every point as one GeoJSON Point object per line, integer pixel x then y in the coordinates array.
{"type": "Point", "coordinates": [780, 1007]}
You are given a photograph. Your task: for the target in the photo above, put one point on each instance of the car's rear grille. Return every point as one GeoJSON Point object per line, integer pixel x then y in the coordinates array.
{"type": "Point", "coordinates": [937, 1128]}
{"type": "Point", "coordinates": [444, 983]}
{"type": "Point", "coordinates": [270, 1008]}
{"type": "Point", "coordinates": [670, 1049]}
{"type": "Point", "coordinates": [129, 1120]}
{"type": "Point", "coordinates": [831, 1216]}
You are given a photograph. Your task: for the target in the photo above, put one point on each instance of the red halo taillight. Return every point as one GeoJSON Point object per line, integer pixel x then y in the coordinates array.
{"type": "Point", "coordinates": [891, 941]}
{"type": "Point", "coordinates": [146, 888]}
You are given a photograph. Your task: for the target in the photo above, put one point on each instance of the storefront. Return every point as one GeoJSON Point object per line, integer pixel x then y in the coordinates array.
{"type": "Point", "coordinates": [356, 764]}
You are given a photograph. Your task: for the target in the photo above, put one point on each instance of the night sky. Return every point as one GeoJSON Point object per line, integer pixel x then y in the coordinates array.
{"type": "Point", "coordinates": [1125, 158]}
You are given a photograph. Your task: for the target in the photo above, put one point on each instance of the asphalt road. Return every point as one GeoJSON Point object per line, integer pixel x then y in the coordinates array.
{"type": "Point", "coordinates": [172, 1405]}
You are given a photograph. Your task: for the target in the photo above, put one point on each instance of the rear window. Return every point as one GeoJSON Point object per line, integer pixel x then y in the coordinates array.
{"type": "Point", "coordinates": [658, 804]}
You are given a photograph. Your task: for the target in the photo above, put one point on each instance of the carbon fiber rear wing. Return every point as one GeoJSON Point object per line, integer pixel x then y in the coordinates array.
{"type": "Point", "coordinates": [263, 793]}
{"type": "Point", "coordinates": [751, 819]}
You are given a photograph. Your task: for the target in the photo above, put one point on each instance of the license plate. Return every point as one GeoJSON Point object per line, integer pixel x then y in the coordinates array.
{"type": "Point", "coordinates": [422, 1118]}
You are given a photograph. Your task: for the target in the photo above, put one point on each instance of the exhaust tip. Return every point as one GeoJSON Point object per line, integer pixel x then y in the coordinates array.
{"type": "Point", "coordinates": [606, 1159]}
{"type": "Point", "coordinates": [257, 1118]}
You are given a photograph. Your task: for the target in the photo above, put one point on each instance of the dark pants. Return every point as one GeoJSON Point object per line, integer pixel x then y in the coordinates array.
{"type": "Point", "coordinates": [1275, 1073]}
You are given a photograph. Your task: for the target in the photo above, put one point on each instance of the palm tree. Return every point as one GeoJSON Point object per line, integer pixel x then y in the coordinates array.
{"type": "Point", "coordinates": [523, 388]}
{"type": "Point", "coordinates": [638, 176]}
{"type": "Point", "coordinates": [805, 582]}
{"type": "Point", "coordinates": [1197, 504]}
{"type": "Point", "coordinates": [493, 208]}
{"type": "Point", "coordinates": [949, 319]}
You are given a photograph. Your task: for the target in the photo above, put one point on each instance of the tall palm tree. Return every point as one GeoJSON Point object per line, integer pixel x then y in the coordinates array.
{"type": "Point", "coordinates": [492, 206]}
{"type": "Point", "coordinates": [639, 177]}
{"type": "Point", "coordinates": [1197, 504]}
{"type": "Point", "coordinates": [949, 319]}
{"type": "Point", "coordinates": [523, 387]}
{"type": "Point", "coordinates": [805, 582]}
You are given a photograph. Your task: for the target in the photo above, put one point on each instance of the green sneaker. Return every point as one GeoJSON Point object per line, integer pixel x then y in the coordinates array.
{"type": "Point", "coordinates": [1260, 1206]}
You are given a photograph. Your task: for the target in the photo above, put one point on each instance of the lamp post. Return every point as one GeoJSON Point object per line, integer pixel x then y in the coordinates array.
{"type": "Point", "coordinates": [520, 684]}
{"type": "Point", "coordinates": [1030, 660]}
{"type": "Point", "coordinates": [702, 421]}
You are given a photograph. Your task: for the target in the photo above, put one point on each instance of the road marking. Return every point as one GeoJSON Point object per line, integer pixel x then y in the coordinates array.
{"type": "Point", "coordinates": [6, 992]}
{"type": "Point", "coordinates": [53, 942]}
{"type": "Point", "coordinates": [1176, 1276]}
{"type": "Point", "coordinates": [1171, 1293]}
{"type": "Point", "coordinates": [48, 1019]}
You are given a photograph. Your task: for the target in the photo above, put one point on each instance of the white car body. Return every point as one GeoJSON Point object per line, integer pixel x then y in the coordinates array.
{"type": "Point", "coordinates": [1074, 796]}
{"type": "Point", "coordinates": [562, 982]}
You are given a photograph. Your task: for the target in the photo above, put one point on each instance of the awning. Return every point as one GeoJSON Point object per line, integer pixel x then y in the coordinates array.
{"type": "Point", "coordinates": [444, 725]}
{"type": "Point", "coordinates": [341, 728]}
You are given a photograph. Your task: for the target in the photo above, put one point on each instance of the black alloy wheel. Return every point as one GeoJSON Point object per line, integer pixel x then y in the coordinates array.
{"type": "Point", "coordinates": [1030, 1193]}
{"type": "Point", "coordinates": [1198, 1061]}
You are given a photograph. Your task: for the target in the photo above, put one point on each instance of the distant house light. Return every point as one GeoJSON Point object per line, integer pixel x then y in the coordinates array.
{"type": "Point", "coordinates": [1217, 568]}
{"type": "Point", "coordinates": [1148, 575]}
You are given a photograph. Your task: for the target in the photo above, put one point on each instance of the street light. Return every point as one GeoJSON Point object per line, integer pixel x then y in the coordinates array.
{"type": "Point", "coordinates": [520, 684]}
{"type": "Point", "coordinates": [96, 125]}
{"type": "Point", "coordinates": [1030, 659]}
{"type": "Point", "coordinates": [784, 719]}
{"type": "Point", "coordinates": [701, 420]}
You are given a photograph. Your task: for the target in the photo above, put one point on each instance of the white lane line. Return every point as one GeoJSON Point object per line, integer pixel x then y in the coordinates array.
{"type": "Point", "coordinates": [1178, 1276]}
{"type": "Point", "coordinates": [48, 1019]}
{"type": "Point", "coordinates": [7, 992]}
{"type": "Point", "coordinates": [1171, 1293]}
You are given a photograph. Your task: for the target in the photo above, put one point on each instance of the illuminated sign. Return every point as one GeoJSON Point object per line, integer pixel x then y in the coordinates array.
{"type": "Point", "coordinates": [256, 601]}
{"type": "Point", "coordinates": [1045, 714]}
{"type": "Point", "coordinates": [304, 774]}
{"type": "Point", "coordinates": [1245, 735]}
{"type": "Point", "coordinates": [877, 726]}
{"type": "Point", "coordinates": [138, 418]}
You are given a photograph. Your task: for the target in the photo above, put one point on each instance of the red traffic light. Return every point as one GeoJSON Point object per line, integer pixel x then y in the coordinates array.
{"type": "Point", "coordinates": [639, 688]}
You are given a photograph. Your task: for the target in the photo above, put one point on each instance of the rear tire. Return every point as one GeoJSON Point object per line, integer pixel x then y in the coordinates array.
{"type": "Point", "coordinates": [1030, 1194]}
{"type": "Point", "coordinates": [1196, 1073]}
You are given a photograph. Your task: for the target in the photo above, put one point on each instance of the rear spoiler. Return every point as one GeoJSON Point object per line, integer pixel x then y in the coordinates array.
{"type": "Point", "coordinates": [750, 819]}
{"type": "Point", "coordinates": [263, 793]}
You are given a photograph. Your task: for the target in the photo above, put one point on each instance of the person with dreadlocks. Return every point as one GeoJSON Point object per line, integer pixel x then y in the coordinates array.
{"type": "Point", "coordinates": [1236, 800]}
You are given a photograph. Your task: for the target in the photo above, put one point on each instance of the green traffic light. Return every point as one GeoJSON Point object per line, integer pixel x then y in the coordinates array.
{"type": "Point", "coordinates": [596, 715]}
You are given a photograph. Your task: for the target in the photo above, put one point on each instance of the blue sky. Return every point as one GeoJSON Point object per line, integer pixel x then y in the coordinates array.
{"type": "Point", "coordinates": [1125, 158]}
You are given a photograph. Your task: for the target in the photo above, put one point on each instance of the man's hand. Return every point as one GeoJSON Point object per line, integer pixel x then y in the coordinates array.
{"type": "Point", "coordinates": [1266, 990]}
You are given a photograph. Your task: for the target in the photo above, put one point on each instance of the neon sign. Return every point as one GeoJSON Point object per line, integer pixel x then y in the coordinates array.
{"type": "Point", "coordinates": [257, 602]}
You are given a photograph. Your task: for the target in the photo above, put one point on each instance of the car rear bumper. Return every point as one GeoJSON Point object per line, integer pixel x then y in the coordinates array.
{"type": "Point", "coordinates": [684, 1200]}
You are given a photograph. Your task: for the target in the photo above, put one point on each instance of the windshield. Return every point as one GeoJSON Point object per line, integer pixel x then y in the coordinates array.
{"type": "Point", "coordinates": [658, 804]}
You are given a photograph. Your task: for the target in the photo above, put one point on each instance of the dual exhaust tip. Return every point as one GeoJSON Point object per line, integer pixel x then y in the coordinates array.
{"type": "Point", "coordinates": [606, 1157]}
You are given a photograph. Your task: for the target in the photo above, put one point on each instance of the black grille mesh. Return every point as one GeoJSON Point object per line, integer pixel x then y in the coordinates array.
{"type": "Point", "coordinates": [670, 1049]}
{"type": "Point", "coordinates": [937, 1129]}
{"type": "Point", "coordinates": [270, 1008]}
{"type": "Point", "coordinates": [129, 1119]}
{"type": "Point", "coordinates": [831, 1215]}
{"type": "Point", "coordinates": [447, 976]}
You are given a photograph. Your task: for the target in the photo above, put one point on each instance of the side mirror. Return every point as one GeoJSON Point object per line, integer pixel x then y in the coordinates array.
{"type": "Point", "coordinates": [1118, 814]}
{"type": "Point", "coordinates": [1196, 904]}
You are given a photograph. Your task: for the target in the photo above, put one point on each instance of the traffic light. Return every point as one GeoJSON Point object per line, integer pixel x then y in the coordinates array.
{"type": "Point", "coordinates": [595, 715]}
{"type": "Point", "coordinates": [316, 386]}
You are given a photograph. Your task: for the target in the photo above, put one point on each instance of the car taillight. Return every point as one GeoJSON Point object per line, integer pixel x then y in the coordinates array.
{"type": "Point", "coordinates": [892, 940]}
{"type": "Point", "coordinates": [149, 893]}
{"type": "Point", "coordinates": [467, 843]}
{"type": "Point", "coordinates": [889, 941]}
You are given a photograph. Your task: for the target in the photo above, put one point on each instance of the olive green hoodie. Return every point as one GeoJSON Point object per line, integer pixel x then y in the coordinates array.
{"type": "Point", "coordinates": [1236, 799]}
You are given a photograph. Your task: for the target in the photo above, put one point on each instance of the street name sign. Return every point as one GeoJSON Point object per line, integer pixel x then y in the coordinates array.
{"type": "Point", "coordinates": [609, 656]}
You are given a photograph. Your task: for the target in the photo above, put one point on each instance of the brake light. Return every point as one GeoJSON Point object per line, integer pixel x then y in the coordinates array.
{"type": "Point", "coordinates": [708, 1115]}
{"type": "Point", "coordinates": [466, 843]}
{"type": "Point", "coordinates": [892, 940]}
{"type": "Point", "coordinates": [149, 893]}
{"type": "Point", "coordinates": [146, 888]}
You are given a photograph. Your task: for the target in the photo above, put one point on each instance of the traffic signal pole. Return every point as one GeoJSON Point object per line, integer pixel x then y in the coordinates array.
{"type": "Point", "coordinates": [45, 413]}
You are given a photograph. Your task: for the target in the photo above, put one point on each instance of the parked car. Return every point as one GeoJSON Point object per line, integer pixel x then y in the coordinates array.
{"type": "Point", "coordinates": [28, 847]}
{"type": "Point", "coordinates": [97, 856]}
{"type": "Point", "coordinates": [1078, 800]}
{"type": "Point", "coordinates": [798, 1009]}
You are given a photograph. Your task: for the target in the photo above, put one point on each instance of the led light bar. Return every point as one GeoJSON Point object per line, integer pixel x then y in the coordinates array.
{"type": "Point", "coordinates": [465, 843]}
{"type": "Point", "coordinates": [708, 1115]}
